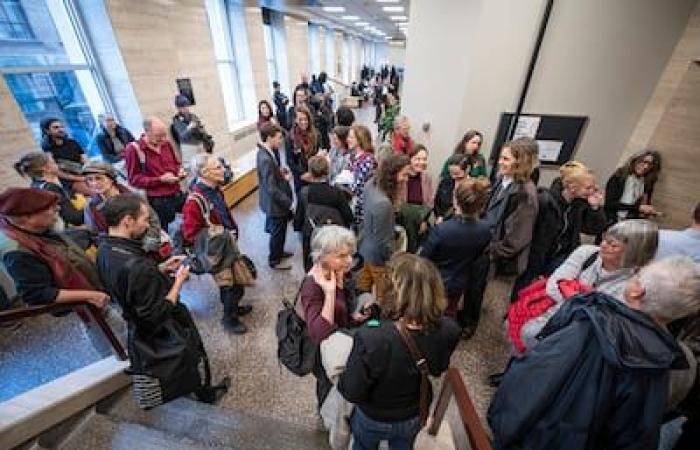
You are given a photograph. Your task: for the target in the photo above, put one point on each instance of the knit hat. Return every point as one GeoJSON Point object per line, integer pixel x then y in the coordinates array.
{"type": "Point", "coordinates": [182, 101]}
{"type": "Point", "coordinates": [26, 201]}
{"type": "Point", "coordinates": [93, 167]}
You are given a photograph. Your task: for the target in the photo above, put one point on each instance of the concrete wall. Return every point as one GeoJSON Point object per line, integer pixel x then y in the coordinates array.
{"type": "Point", "coordinates": [15, 135]}
{"type": "Point", "coordinates": [600, 59]}
{"type": "Point", "coordinates": [160, 44]}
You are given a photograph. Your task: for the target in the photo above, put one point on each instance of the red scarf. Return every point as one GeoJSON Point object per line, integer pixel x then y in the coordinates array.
{"type": "Point", "coordinates": [65, 274]}
{"type": "Point", "coordinates": [401, 144]}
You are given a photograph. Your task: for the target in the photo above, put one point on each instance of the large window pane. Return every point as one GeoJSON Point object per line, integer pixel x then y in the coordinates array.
{"type": "Point", "coordinates": [53, 94]}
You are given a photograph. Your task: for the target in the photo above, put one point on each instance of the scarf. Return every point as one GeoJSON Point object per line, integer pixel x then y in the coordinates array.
{"type": "Point", "coordinates": [216, 199]}
{"type": "Point", "coordinates": [305, 140]}
{"type": "Point", "coordinates": [97, 203]}
{"type": "Point", "coordinates": [70, 268]}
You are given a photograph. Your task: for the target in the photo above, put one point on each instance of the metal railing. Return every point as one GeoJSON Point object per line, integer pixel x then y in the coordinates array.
{"type": "Point", "coordinates": [453, 386]}
{"type": "Point", "coordinates": [14, 315]}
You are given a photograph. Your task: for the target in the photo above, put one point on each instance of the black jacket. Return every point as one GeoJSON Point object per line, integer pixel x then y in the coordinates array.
{"type": "Point", "coordinates": [325, 195]}
{"type": "Point", "coordinates": [559, 225]}
{"type": "Point", "coordinates": [453, 245]}
{"type": "Point", "coordinates": [598, 379]}
{"type": "Point", "coordinates": [106, 146]}
{"type": "Point", "coordinates": [614, 189]}
{"type": "Point", "coordinates": [382, 379]}
{"type": "Point", "coordinates": [68, 212]}
{"type": "Point", "coordinates": [443, 198]}
{"type": "Point", "coordinates": [275, 194]}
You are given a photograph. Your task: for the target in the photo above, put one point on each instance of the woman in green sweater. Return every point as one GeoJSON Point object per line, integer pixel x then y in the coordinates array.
{"type": "Point", "coordinates": [469, 146]}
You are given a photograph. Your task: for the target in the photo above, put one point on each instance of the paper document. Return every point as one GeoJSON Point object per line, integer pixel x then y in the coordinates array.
{"type": "Point", "coordinates": [527, 126]}
{"type": "Point", "coordinates": [549, 150]}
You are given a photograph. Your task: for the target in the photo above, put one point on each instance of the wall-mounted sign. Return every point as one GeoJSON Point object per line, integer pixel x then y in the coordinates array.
{"type": "Point", "coordinates": [184, 87]}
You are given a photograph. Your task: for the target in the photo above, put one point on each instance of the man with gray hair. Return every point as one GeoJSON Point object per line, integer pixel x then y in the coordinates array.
{"type": "Point", "coordinates": [205, 207]}
{"type": "Point", "coordinates": [599, 377]}
{"type": "Point", "coordinates": [112, 139]}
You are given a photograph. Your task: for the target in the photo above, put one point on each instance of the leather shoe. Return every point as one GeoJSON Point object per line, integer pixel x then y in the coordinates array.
{"type": "Point", "coordinates": [282, 265]}
{"type": "Point", "coordinates": [244, 309]}
{"type": "Point", "coordinates": [287, 254]}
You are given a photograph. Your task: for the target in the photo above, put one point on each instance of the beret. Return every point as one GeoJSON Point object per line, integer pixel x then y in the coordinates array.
{"type": "Point", "coordinates": [26, 201]}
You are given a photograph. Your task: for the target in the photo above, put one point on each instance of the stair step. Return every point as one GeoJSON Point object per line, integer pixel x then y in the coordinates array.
{"type": "Point", "coordinates": [214, 426]}
{"type": "Point", "coordinates": [103, 432]}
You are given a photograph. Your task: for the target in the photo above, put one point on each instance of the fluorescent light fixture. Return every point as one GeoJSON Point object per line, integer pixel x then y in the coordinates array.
{"type": "Point", "coordinates": [388, 1]}
{"type": "Point", "coordinates": [399, 18]}
{"type": "Point", "coordinates": [402, 24]}
{"type": "Point", "coordinates": [393, 8]}
{"type": "Point", "coordinates": [334, 8]}
{"type": "Point", "coordinates": [350, 18]}
{"type": "Point", "coordinates": [361, 24]}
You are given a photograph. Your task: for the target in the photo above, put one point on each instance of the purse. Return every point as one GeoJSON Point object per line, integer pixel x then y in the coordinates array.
{"type": "Point", "coordinates": [294, 347]}
{"type": "Point", "coordinates": [422, 365]}
{"type": "Point", "coordinates": [244, 272]}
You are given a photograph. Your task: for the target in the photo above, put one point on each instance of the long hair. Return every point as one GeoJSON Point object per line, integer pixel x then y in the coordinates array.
{"type": "Point", "coordinates": [32, 165]}
{"type": "Point", "coordinates": [309, 135]}
{"type": "Point", "coordinates": [364, 137]}
{"type": "Point", "coordinates": [269, 106]}
{"type": "Point", "coordinates": [524, 150]}
{"type": "Point", "coordinates": [387, 173]}
{"type": "Point", "coordinates": [416, 293]}
{"type": "Point", "coordinates": [468, 136]}
{"type": "Point", "coordinates": [652, 176]}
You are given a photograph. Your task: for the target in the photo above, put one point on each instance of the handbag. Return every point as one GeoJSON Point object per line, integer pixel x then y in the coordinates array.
{"type": "Point", "coordinates": [294, 347]}
{"type": "Point", "coordinates": [244, 272]}
{"type": "Point", "coordinates": [422, 365]}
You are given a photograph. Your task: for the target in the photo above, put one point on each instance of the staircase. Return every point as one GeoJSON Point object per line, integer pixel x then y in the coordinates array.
{"type": "Point", "coordinates": [116, 423]}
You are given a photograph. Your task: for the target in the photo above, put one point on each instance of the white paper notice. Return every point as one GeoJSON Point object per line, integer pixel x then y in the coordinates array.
{"type": "Point", "coordinates": [527, 127]}
{"type": "Point", "coordinates": [549, 150]}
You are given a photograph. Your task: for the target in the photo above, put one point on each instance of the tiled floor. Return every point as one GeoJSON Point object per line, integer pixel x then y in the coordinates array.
{"type": "Point", "coordinates": [50, 347]}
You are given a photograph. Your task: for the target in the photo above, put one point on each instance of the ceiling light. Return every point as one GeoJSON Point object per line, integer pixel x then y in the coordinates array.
{"type": "Point", "coordinates": [388, 1]}
{"type": "Point", "coordinates": [334, 9]}
{"type": "Point", "coordinates": [350, 18]}
{"type": "Point", "coordinates": [361, 24]}
{"type": "Point", "coordinates": [402, 24]}
{"type": "Point", "coordinates": [399, 18]}
{"type": "Point", "coordinates": [393, 8]}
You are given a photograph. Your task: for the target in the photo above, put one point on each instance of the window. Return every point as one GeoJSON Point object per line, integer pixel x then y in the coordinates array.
{"type": "Point", "coordinates": [13, 21]}
{"type": "Point", "coordinates": [315, 48]}
{"type": "Point", "coordinates": [330, 52]}
{"type": "Point", "coordinates": [54, 74]}
{"type": "Point", "coordinates": [227, 25]}
{"type": "Point", "coordinates": [276, 48]}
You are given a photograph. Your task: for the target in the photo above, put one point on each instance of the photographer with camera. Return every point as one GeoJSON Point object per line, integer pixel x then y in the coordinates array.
{"type": "Point", "coordinates": [188, 131]}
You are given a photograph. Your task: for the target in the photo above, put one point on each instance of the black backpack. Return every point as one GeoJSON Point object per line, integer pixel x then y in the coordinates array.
{"type": "Point", "coordinates": [294, 347]}
{"type": "Point", "coordinates": [318, 215]}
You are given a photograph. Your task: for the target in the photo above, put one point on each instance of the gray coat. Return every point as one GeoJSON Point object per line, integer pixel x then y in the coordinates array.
{"type": "Point", "coordinates": [274, 193]}
{"type": "Point", "coordinates": [512, 224]}
{"type": "Point", "coordinates": [377, 237]}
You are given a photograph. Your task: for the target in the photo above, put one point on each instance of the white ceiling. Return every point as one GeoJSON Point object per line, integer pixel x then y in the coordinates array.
{"type": "Point", "coordinates": [367, 11]}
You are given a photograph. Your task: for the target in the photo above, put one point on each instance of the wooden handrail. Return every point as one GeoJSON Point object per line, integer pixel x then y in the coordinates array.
{"type": "Point", "coordinates": [13, 315]}
{"type": "Point", "coordinates": [453, 386]}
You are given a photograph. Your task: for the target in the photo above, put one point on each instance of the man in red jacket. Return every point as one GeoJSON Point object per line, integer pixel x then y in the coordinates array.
{"type": "Point", "coordinates": [153, 166]}
{"type": "Point", "coordinates": [206, 198]}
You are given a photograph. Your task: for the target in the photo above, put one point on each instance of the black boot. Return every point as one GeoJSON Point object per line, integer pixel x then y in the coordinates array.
{"type": "Point", "coordinates": [230, 320]}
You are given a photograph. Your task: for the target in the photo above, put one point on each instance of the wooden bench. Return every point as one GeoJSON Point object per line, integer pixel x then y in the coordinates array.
{"type": "Point", "coordinates": [245, 179]}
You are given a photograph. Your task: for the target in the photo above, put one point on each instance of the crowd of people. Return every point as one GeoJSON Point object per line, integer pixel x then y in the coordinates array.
{"type": "Point", "coordinates": [395, 260]}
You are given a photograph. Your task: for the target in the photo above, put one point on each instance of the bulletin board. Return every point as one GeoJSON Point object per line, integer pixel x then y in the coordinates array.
{"type": "Point", "coordinates": [557, 136]}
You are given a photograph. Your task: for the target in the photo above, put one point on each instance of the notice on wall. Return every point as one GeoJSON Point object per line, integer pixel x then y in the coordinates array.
{"type": "Point", "coordinates": [549, 150]}
{"type": "Point", "coordinates": [527, 126]}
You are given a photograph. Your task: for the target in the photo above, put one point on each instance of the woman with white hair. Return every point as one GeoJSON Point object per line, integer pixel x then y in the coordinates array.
{"type": "Point", "coordinates": [626, 247]}
{"type": "Point", "coordinates": [328, 301]}
{"type": "Point", "coordinates": [599, 376]}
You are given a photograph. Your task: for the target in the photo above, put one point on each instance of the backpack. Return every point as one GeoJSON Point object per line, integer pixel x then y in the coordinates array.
{"type": "Point", "coordinates": [533, 301]}
{"type": "Point", "coordinates": [294, 347]}
{"type": "Point", "coordinates": [318, 215]}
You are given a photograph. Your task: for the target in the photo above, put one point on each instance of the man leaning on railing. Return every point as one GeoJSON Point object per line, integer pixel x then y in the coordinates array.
{"type": "Point", "coordinates": [47, 266]}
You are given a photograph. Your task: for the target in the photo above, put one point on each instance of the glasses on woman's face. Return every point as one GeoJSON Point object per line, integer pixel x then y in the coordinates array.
{"type": "Point", "coordinates": [612, 243]}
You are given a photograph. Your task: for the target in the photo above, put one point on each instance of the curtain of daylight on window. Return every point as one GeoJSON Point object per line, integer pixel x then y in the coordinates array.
{"type": "Point", "coordinates": [329, 42]}
{"type": "Point", "coordinates": [314, 48]}
{"type": "Point", "coordinates": [279, 44]}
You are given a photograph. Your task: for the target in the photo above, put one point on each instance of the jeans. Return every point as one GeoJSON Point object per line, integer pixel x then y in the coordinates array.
{"type": "Point", "coordinates": [277, 227]}
{"type": "Point", "coordinates": [166, 207]}
{"type": "Point", "coordinates": [368, 433]}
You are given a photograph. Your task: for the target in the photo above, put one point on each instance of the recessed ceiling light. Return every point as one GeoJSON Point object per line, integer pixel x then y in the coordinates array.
{"type": "Point", "coordinates": [334, 8]}
{"type": "Point", "coordinates": [399, 18]}
{"type": "Point", "coordinates": [361, 24]}
{"type": "Point", "coordinates": [350, 18]}
{"type": "Point", "coordinates": [393, 8]}
{"type": "Point", "coordinates": [388, 1]}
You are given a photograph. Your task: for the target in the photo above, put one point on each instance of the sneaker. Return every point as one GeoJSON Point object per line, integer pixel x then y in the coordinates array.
{"type": "Point", "coordinates": [234, 326]}
{"type": "Point", "coordinates": [286, 255]}
{"type": "Point", "coordinates": [244, 309]}
{"type": "Point", "coordinates": [282, 265]}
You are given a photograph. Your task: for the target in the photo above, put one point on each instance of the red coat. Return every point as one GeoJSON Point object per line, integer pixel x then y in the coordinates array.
{"type": "Point", "coordinates": [146, 176]}
{"type": "Point", "coordinates": [401, 145]}
{"type": "Point", "coordinates": [193, 219]}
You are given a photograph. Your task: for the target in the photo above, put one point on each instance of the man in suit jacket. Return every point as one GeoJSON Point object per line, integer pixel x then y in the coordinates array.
{"type": "Point", "coordinates": [275, 193]}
